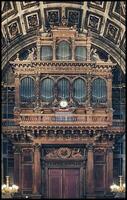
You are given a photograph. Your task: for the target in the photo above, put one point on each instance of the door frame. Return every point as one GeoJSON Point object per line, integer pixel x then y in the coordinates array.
{"type": "Point", "coordinates": [63, 164]}
{"type": "Point", "coordinates": [81, 180]}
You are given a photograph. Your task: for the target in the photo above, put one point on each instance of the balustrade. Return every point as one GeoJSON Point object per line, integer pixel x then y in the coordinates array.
{"type": "Point", "coordinates": [32, 119]}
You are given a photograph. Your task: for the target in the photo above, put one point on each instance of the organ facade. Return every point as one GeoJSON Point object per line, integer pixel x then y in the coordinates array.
{"type": "Point", "coordinates": [62, 132]}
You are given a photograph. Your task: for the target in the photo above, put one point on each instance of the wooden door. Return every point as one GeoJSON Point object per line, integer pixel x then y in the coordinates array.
{"type": "Point", "coordinates": [71, 183]}
{"type": "Point", "coordinates": [55, 183]}
{"type": "Point", "coordinates": [64, 183]}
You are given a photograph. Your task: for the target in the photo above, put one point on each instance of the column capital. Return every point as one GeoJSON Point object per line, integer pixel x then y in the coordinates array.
{"type": "Point", "coordinates": [90, 147]}
{"type": "Point", "coordinates": [17, 149]}
{"type": "Point", "coordinates": [17, 76]}
{"type": "Point", "coordinates": [110, 149]}
{"type": "Point", "coordinates": [37, 147]}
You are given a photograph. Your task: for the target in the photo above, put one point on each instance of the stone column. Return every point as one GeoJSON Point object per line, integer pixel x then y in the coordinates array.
{"type": "Point", "coordinates": [124, 158]}
{"type": "Point", "coordinates": [109, 168]}
{"type": "Point", "coordinates": [109, 92]}
{"type": "Point", "coordinates": [38, 48]}
{"type": "Point", "coordinates": [73, 49]}
{"type": "Point", "coordinates": [2, 182]}
{"type": "Point", "coordinates": [90, 171]}
{"type": "Point", "coordinates": [17, 92]}
{"type": "Point", "coordinates": [39, 53]}
{"type": "Point", "coordinates": [43, 173]}
{"type": "Point", "coordinates": [37, 170]}
{"type": "Point", "coordinates": [88, 47]}
{"type": "Point", "coordinates": [54, 49]}
{"type": "Point", "coordinates": [89, 91]}
{"type": "Point", "coordinates": [37, 90]}
{"type": "Point", "coordinates": [17, 167]}
{"type": "Point", "coordinates": [84, 173]}
{"type": "Point", "coordinates": [88, 52]}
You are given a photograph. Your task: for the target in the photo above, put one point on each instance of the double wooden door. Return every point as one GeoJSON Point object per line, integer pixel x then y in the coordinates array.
{"type": "Point", "coordinates": [63, 183]}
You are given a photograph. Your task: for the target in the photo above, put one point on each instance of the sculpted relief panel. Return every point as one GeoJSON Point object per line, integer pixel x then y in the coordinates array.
{"type": "Point", "coordinates": [64, 153]}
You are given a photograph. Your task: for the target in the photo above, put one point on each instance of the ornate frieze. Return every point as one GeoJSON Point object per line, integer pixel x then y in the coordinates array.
{"type": "Point", "coordinates": [64, 153]}
{"type": "Point", "coordinates": [27, 67]}
{"type": "Point", "coordinates": [54, 119]}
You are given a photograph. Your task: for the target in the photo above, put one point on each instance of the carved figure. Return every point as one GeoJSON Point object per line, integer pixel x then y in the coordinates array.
{"type": "Point", "coordinates": [13, 28]}
{"type": "Point", "coordinates": [76, 153]}
{"type": "Point", "coordinates": [94, 55]}
{"type": "Point", "coordinates": [31, 55]}
{"type": "Point", "coordinates": [64, 21]}
{"type": "Point", "coordinates": [17, 59]}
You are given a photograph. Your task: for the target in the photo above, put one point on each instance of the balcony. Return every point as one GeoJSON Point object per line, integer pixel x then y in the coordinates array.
{"type": "Point", "coordinates": [65, 119]}
{"type": "Point", "coordinates": [60, 119]}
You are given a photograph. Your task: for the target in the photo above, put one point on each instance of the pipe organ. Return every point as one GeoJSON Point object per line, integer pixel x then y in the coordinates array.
{"type": "Point", "coordinates": [63, 133]}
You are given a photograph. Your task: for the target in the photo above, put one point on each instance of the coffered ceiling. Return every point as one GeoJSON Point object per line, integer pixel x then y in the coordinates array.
{"type": "Point", "coordinates": [105, 20]}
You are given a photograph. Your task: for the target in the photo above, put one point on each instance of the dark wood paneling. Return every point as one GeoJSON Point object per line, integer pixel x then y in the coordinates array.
{"type": "Point", "coordinates": [55, 183]}
{"type": "Point", "coordinates": [16, 168]}
{"type": "Point", "coordinates": [99, 174]}
{"type": "Point", "coordinates": [27, 177]}
{"type": "Point", "coordinates": [64, 183]}
{"type": "Point", "coordinates": [71, 180]}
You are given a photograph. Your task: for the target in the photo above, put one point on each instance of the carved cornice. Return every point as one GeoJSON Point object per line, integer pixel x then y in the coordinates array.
{"type": "Point", "coordinates": [27, 63]}
{"type": "Point", "coordinates": [19, 137]}
{"type": "Point", "coordinates": [38, 67]}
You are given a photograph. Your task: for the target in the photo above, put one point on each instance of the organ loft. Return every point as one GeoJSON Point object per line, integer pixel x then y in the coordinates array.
{"type": "Point", "coordinates": [63, 133]}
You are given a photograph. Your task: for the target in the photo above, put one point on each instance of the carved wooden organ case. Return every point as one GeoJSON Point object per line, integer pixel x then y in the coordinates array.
{"type": "Point", "coordinates": [63, 108]}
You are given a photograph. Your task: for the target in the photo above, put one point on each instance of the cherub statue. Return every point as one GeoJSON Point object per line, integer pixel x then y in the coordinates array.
{"type": "Point", "coordinates": [109, 58]}
{"type": "Point", "coordinates": [94, 55]}
{"type": "Point", "coordinates": [17, 58]}
{"type": "Point", "coordinates": [64, 21]}
{"type": "Point", "coordinates": [31, 55]}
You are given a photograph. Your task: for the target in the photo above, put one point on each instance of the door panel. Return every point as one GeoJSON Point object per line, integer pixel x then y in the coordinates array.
{"type": "Point", "coordinates": [64, 183]}
{"type": "Point", "coordinates": [55, 183]}
{"type": "Point", "coordinates": [71, 183]}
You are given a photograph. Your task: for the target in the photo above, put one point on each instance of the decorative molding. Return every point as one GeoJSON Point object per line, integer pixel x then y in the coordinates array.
{"type": "Point", "coordinates": [17, 149]}
{"type": "Point", "coordinates": [9, 8]}
{"type": "Point", "coordinates": [90, 147]}
{"type": "Point", "coordinates": [52, 16]}
{"type": "Point", "coordinates": [112, 31]}
{"type": "Point", "coordinates": [28, 4]}
{"type": "Point", "coordinates": [64, 153]}
{"type": "Point", "coordinates": [73, 16]}
{"type": "Point", "coordinates": [27, 155]}
{"type": "Point", "coordinates": [118, 11]}
{"type": "Point", "coordinates": [123, 43]}
{"type": "Point", "coordinates": [14, 28]}
{"type": "Point", "coordinates": [99, 5]}
{"type": "Point", "coordinates": [32, 20]}
{"type": "Point", "coordinates": [93, 21]}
